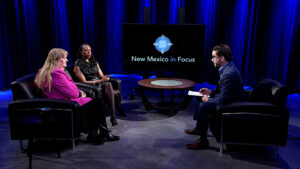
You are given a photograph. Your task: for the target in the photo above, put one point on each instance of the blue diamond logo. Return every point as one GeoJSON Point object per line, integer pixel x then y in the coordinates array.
{"type": "Point", "coordinates": [162, 44]}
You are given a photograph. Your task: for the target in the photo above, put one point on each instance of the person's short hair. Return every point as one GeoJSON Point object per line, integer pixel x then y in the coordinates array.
{"type": "Point", "coordinates": [223, 50]}
{"type": "Point", "coordinates": [79, 56]}
{"type": "Point", "coordinates": [80, 49]}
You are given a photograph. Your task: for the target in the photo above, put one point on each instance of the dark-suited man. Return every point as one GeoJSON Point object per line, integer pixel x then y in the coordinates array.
{"type": "Point", "coordinates": [229, 89]}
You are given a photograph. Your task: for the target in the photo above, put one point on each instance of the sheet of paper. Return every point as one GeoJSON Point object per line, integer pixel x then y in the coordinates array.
{"type": "Point", "coordinates": [194, 93]}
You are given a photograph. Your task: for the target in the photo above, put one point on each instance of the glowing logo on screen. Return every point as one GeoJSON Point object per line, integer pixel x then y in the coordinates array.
{"type": "Point", "coordinates": [162, 44]}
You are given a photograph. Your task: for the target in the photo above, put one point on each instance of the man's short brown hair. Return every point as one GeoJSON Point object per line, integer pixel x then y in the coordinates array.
{"type": "Point", "coordinates": [223, 50]}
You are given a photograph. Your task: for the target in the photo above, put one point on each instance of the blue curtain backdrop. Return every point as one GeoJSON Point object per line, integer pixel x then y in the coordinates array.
{"type": "Point", "coordinates": [114, 19]}
{"type": "Point", "coordinates": [59, 20]}
{"type": "Point", "coordinates": [264, 34]}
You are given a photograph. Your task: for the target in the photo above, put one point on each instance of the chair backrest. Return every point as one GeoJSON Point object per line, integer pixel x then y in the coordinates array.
{"type": "Point", "coordinates": [70, 71]}
{"type": "Point", "coordinates": [25, 88]}
{"type": "Point", "coordinates": [271, 91]}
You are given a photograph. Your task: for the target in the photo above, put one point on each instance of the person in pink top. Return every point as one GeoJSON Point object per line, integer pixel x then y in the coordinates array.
{"type": "Point", "coordinates": [56, 84]}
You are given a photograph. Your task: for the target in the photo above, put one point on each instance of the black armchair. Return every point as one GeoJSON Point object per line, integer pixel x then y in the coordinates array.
{"type": "Point", "coordinates": [91, 90]}
{"type": "Point", "coordinates": [261, 120]}
{"type": "Point", "coordinates": [31, 116]}
{"type": "Point", "coordinates": [116, 83]}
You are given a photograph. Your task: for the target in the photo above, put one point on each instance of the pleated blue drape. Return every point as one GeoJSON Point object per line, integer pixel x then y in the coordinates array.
{"type": "Point", "coordinates": [264, 34]}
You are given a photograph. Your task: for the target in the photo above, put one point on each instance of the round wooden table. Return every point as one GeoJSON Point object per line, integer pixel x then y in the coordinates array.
{"type": "Point", "coordinates": [165, 84]}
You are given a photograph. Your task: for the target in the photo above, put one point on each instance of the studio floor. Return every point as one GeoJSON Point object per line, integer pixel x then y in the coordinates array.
{"type": "Point", "coordinates": [151, 140]}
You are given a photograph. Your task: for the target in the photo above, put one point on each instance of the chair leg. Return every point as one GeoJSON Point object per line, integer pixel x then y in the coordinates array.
{"type": "Point", "coordinates": [276, 153]}
{"type": "Point", "coordinates": [132, 94]}
{"type": "Point", "coordinates": [120, 110]}
{"type": "Point", "coordinates": [221, 149]}
{"type": "Point", "coordinates": [221, 142]}
{"type": "Point", "coordinates": [73, 145]}
{"type": "Point", "coordinates": [57, 148]}
{"type": "Point", "coordinates": [21, 145]}
{"type": "Point", "coordinates": [29, 152]}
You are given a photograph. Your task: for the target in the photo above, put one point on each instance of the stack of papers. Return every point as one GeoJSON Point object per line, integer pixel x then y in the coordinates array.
{"type": "Point", "coordinates": [193, 93]}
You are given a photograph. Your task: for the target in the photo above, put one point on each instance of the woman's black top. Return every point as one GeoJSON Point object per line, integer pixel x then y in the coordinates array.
{"type": "Point", "coordinates": [89, 69]}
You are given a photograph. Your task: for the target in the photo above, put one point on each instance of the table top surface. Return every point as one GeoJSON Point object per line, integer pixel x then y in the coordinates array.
{"type": "Point", "coordinates": [167, 83]}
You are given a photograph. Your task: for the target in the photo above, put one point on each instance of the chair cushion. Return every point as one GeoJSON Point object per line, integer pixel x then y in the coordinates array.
{"type": "Point", "coordinates": [271, 91]}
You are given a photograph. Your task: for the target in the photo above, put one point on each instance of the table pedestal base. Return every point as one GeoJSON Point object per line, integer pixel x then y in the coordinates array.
{"type": "Point", "coordinates": [170, 107]}
{"type": "Point", "coordinates": [162, 84]}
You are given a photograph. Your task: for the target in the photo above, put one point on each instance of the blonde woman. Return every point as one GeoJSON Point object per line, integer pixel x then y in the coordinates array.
{"type": "Point", "coordinates": [56, 84]}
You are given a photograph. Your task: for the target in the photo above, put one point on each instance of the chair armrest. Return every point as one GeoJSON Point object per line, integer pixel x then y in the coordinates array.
{"type": "Point", "coordinates": [252, 107]}
{"type": "Point", "coordinates": [250, 122]}
{"type": "Point", "coordinates": [116, 83]}
{"type": "Point", "coordinates": [92, 91]}
{"type": "Point", "coordinates": [44, 102]}
{"type": "Point", "coordinates": [43, 118]}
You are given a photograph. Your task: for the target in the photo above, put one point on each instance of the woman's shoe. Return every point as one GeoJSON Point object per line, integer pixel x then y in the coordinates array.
{"type": "Point", "coordinates": [105, 135]}
{"type": "Point", "coordinates": [113, 121]}
{"type": "Point", "coordinates": [94, 138]}
{"type": "Point", "coordinates": [110, 137]}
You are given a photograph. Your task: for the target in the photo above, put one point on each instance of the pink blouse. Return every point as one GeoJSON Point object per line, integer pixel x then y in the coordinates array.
{"type": "Point", "coordinates": [63, 87]}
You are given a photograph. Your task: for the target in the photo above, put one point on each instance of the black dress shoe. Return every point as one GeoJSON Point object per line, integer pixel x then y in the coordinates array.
{"type": "Point", "coordinates": [198, 144]}
{"type": "Point", "coordinates": [111, 137]}
{"type": "Point", "coordinates": [105, 135]}
{"type": "Point", "coordinates": [192, 131]}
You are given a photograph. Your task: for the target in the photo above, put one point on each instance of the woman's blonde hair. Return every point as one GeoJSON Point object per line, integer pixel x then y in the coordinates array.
{"type": "Point", "coordinates": [51, 63]}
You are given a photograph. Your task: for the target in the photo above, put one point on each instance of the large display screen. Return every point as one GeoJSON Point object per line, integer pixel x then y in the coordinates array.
{"type": "Point", "coordinates": [163, 47]}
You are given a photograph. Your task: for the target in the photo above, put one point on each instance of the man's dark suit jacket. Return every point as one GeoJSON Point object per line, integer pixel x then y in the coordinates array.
{"type": "Point", "coordinates": [230, 86]}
